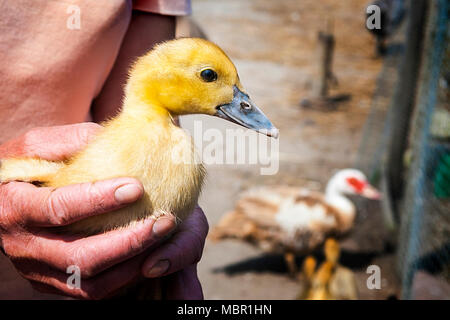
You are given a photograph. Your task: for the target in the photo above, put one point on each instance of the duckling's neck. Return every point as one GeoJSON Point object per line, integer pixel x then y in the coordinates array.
{"type": "Point", "coordinates": [139, 110]}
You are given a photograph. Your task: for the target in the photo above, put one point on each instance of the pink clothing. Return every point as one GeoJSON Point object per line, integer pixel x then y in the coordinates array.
{"type": "Point", "coordinates": [172, 7]}
{"type": "Point", "coordinates": [56, 55]}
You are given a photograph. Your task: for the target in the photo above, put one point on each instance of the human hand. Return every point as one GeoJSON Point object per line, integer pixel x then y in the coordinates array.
{"type": "Point", "coordinates": [106, 262]}
{"type": "Point", "coordinates": [177, 258]}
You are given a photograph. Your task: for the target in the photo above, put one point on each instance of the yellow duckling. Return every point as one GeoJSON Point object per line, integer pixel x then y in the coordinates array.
{"type": "Point", "coordinates": [332, 251]}
{"type": "Point", "coordinates": [306, 276]}
{"type": "Point", "coordinates": [342, 284]}
{"type": "Point", "coordinates": [331, 281]}
{"type": "Point", "coordinates": [178, 77]}
{"type": "Point", "coordinates": [317, 282]}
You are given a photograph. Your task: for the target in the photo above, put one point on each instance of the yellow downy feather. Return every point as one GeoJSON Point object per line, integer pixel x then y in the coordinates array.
{"type": "Point", "coordinates": [142, 141]}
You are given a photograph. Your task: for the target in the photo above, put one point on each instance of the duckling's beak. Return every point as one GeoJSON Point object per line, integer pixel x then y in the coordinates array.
{"type": "Point", "coordinates": [244, 112]}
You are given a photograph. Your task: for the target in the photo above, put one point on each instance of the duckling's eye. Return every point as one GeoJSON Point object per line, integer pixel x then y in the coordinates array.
{"type": "Point", "coordinates": [209, 75]}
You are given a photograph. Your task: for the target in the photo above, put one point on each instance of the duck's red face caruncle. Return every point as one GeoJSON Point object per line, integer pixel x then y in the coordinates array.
{"type": "Point", "coordinates": [362, 187]}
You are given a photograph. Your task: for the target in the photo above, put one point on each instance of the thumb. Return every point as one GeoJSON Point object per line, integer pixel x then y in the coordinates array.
{"type": "Point", "coordinates": [53, 207]}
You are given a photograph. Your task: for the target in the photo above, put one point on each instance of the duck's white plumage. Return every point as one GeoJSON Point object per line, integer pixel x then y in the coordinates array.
{"type": "Point", "coordinates": [283, 219]}
{"type": "Point", "coordinates": [290, 219]}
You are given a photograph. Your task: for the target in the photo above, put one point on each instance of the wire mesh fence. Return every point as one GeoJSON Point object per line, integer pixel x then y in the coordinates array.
{"type": "Point", "coordinates": [406, 142]}
{"type": "Point", "coordinates": [425, 210]}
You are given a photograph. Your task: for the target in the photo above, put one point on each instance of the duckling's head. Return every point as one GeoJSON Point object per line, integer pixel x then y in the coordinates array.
{"type": "Point", "coordinates": [309, 267]}
{"type": "Point", "coordinates": [332, 251]}
{"type": "Point", "coordinates": [189, 76]}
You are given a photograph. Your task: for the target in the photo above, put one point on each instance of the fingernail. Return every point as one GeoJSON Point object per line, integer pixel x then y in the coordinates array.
{"type": "Point", "coordinates": [158, 269]}
{"type": "Point", "coordinates": [128, 193]}
{"type": "Point", "coordinates": [163, 226]}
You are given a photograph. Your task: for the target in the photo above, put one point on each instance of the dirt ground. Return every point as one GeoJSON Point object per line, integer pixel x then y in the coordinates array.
{"type": "Point", "coordinates": [273, 44]}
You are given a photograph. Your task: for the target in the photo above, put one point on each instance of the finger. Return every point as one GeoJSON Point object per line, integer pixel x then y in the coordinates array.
{"type": "Point", "coordinates": [65, 205]}
{"type": "Point", "coordinates": [50, 143]}
{"type": "Point", "coordinates": [94, 254]}
{"type": "Point", "coordinates": [106, 284]}
{"type": "Point", "coordinates": [183, 249]}
{"type": "Point", "coordinates": [184, 285]}
{"type": "Point", "coordinates": [45, 288]}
